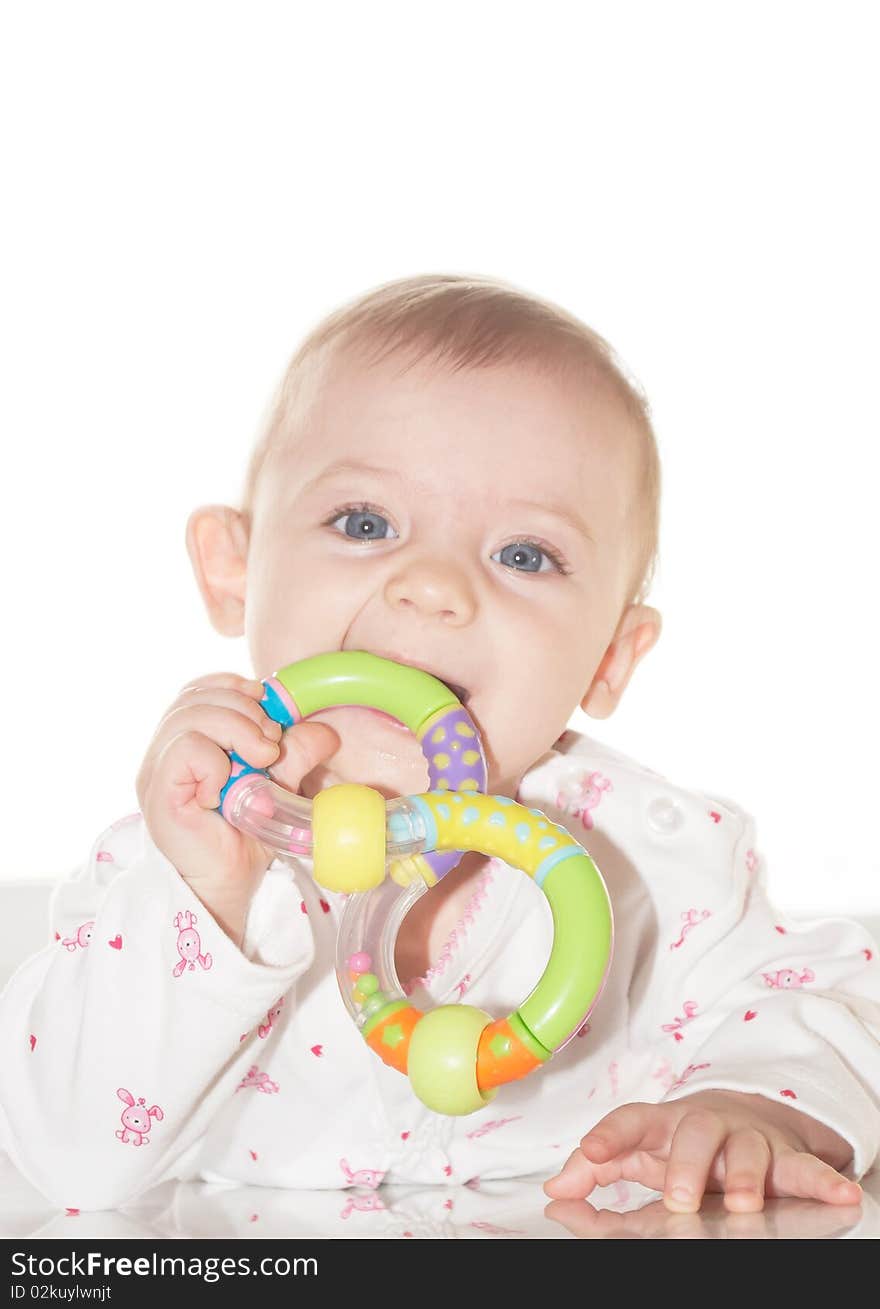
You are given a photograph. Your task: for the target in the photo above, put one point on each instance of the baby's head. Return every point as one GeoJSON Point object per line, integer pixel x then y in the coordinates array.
{"type": "Point", "coordinates": [458, 476]}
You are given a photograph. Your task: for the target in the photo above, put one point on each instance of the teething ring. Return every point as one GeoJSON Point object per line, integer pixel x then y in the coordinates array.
{"type": "Point", "coordinates": [450, 742]}
{"type": "Point", "coordinates": [456, 1056]}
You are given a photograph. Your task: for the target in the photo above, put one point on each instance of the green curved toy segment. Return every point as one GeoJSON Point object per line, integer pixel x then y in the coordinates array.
{"type": "Point", "coordinates": [407, 694]}
{"type": "Point", "coordinates": [581, 946]}
{"type": "Point", "coordinates": [582, 919]}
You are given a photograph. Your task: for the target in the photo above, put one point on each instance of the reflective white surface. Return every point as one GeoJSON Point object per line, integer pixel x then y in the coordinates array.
{"type": "Point", "coordinates": [509, 1210]}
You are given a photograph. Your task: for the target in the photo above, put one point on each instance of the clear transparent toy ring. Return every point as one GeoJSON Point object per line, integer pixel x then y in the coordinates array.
{"type": "Point", "coordinates": [456, 1056]}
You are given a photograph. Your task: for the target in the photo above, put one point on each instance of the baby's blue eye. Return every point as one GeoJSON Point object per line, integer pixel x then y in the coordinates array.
{"type": "Point", "coordinates": [365, 525]}
{"type": "Point", "coordinates": [362, 523]}
{"type": "Point", "coordinates": [524, 557]}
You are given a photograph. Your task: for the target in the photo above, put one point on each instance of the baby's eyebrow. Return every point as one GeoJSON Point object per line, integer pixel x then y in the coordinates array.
{"type": "Point", "coordinates": [572, 520]}
{"type": "Point", "coordinates": [348, 467]}
{"type": "Point", "coordinates": [357, 468]}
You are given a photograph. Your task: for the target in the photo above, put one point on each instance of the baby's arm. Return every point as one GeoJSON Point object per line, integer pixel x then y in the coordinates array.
{"type": "Point", "coordinates": [774, 1028]}
{"type": "Point", "coordinates": [126, 1034]}
{"type": "Point", "coordinates": [123, 1037]}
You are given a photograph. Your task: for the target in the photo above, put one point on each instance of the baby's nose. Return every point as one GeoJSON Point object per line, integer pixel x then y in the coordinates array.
{"type": "Point", "coordinates": [434, 587]}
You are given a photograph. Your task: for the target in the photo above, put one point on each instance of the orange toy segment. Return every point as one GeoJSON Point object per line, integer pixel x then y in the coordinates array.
{"type": "Point", "coordinates": [502, 1056]}
{"type": "Point", "coordinates": [391, 1036]}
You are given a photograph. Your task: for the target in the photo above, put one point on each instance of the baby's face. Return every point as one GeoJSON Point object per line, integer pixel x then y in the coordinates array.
{"type": "Point", "coordinates": [474, 524]}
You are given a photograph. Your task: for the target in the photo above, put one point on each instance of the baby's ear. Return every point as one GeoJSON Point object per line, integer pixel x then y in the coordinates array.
{"type": "Point", "coordinates": [637, 632]}
{"type": "Point", "coordinates": [217, 544]}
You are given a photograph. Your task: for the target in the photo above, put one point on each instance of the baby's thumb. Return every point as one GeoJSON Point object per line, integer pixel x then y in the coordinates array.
{"type": "Point", "coordinates": [303, 747]}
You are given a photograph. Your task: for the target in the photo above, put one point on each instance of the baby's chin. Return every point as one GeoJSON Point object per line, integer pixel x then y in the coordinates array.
{"type": "Point", "coordinates": [374, 750]}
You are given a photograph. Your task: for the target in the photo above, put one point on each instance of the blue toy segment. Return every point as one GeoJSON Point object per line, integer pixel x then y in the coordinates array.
{"type": "Point", "coordinates": [398, 826]}
{"type": "Point", "coordinates": [430, 825]}
{"type": "Point", "coordinates": [275, 708]}
{"type": "Point", "coordinates": [239, 769]}
{"type": "Point", "coordinates": [567, 852]}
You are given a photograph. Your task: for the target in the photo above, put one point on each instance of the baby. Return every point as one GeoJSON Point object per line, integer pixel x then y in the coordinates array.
{"type": "Point", "coordinates": [457, 476]}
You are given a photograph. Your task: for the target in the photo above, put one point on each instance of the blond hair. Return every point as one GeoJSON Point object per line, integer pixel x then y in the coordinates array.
{"type": "Point", "coordinates": [473, 322]}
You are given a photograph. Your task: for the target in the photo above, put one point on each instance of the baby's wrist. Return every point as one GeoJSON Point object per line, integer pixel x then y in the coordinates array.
{"type": "Point", "coordinates": [229, 909]}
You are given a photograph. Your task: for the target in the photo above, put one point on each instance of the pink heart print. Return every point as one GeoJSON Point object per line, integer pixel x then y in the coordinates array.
{"type": "Point", "coordinates": [116, 943]}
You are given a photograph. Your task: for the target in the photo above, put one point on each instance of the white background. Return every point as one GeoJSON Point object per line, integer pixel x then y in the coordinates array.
{"type": "Point", "coordinates": [190, 187]}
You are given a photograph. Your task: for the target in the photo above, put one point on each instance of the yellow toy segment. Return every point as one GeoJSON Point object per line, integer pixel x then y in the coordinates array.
{"type": "Point", "coordinates": [348, 828]}
{"type": "Point", "coordinates": [412, 868]}
{"type": "Point", "coordinates": [495, 825]}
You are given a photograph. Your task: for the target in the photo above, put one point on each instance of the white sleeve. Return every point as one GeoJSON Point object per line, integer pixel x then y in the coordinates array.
{"type": "Point", "coordinates": [753, 1001]}
{"type": "Point", "coordinates": [124, 1036]}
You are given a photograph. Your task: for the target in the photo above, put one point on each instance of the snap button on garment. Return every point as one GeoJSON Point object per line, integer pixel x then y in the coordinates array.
{"type": "Point", "coordinates": [664, 815]}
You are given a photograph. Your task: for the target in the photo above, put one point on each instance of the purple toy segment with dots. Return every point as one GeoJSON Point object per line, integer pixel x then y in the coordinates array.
{"type": "Point", "coordinates": [454, 753]}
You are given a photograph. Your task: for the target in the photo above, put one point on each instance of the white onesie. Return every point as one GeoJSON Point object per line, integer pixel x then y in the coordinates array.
{"type": "Point", "coordinates": [128, 1060]}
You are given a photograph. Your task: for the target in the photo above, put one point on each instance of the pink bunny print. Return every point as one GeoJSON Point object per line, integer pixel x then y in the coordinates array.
{"type": "Point", "coordinates": [690, 918]}
{"type": "Point", "coordinates": [265, 1028]}
{"type": "Point", "coordinates": [786, 978]}
{"type": "Point", "coordinates": [259, 1081]}
{"type": "Point", "coordinates": [189, 944]}
{"type": "Point", "coordinates": [589, 791]}
{"type": "Point", "coordinates": [362, 1204]}
{"type": "Point", "coordinates": [82, 937]}
{"type": "Point", "coordinates": [690, 1012]}
{"type": "Point", "coordinates": [688, 1072]}
{"type": "Point", "coordinates": [363, 1177]}
{"type": "Point", "coordinates": [136, 1118]}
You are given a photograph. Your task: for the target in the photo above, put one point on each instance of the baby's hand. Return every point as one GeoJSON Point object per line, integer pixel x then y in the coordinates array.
{"type": "Point", "coordinates": [187, 765]}
{"type": "Point", "coordinates": [743, 1145]}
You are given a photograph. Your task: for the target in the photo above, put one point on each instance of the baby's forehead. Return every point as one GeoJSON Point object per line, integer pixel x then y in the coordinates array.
{"type": "Point", "coordinates": [525, 410]}
{"type": "Point", "coordinates": [480, 443]}
{"type": "Point", "coordinates": [531, 423]}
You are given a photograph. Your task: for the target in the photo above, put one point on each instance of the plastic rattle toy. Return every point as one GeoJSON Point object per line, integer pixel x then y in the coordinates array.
{"type": "Point", "coordinates": [456, 1056]}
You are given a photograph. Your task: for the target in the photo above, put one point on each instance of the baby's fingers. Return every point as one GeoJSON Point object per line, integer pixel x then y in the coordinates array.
{"type": "Point", "coordinates": [575, 1180]}
{"type": "Point", "coordinates": [630, 1127]}
{"type": "Point", "coordinates": [695, 1143]}
{"type": "Point", "coordinates": [217, 698]}
{"type": "Point", "coordinates": [747, 1158]}
{"type": "Point", "coordinates": [608, 1153]}
{"type": "Point", "coordinates": [796, 1173]}
{"type": "Point", "coordinates": [579, 1175]}
{"type": "Point", "coordinates": [231, 681]}
{"type": "Point", "coordinates": [195, 769]}
{"type": "Point", "coordinates": [255, 742]}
